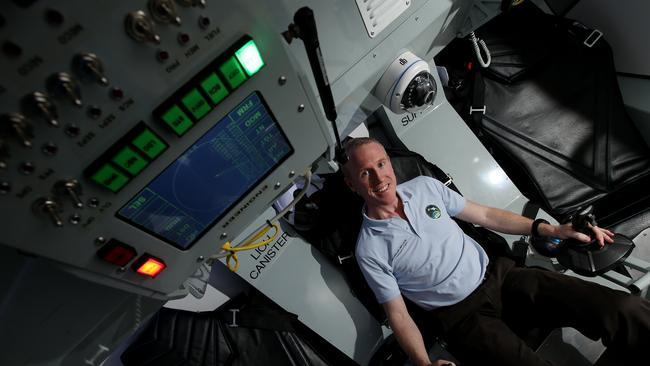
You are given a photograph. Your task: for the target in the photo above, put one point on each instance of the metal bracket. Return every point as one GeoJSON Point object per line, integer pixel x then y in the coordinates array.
{"type": "Point", "coordinates": [482, 110]}
{"type": "Point", "coordinates": [593, 37]}
{"type": "Point", "coordinates": [234, 318]}
{"type": "Point", "coordinates": [449, 180]}
{"type": "Point", "coordinates": [341, 259]}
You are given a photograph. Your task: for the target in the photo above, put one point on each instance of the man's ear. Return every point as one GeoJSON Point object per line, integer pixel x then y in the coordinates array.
{"type": "Point", "coordinates": [349, 184]}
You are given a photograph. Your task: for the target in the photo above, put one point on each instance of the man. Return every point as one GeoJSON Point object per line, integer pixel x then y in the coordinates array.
{"type": "Point", "coordinates": [409, 245]}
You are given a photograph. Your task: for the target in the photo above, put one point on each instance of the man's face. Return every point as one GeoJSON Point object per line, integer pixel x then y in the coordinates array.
{"type": "Point", "coordinates": [371, 175]}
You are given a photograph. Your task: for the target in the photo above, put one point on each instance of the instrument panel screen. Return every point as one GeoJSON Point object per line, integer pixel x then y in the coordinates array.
{"type": "Point", "coordinates": [212, 176]}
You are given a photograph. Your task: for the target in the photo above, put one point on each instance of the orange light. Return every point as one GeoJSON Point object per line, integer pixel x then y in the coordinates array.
{"type": "Point", "coordinates": [151, 267]}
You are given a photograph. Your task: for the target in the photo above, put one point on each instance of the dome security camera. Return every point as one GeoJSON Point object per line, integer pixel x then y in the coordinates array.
{"type": "Point", "coordinates": [407, 85]}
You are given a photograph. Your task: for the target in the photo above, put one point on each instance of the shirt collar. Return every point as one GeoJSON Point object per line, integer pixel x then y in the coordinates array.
{"type": "Point", "coordinates": [380, 225]}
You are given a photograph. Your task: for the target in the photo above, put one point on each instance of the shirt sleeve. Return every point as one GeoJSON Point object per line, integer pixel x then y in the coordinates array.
{"type": "Point", "coordinates": [379, 278]}
{"type": "Point", "coordinates": [454, 202]}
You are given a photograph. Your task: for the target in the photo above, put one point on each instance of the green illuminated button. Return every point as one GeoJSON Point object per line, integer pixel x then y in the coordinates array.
{"type": "Point", "coordinates": [196, 104]}
{"type": "Point", "coordinates": [215, 88]}
{"type": "Point", "coordinates": [233, 72]}
{"type": "Point", "coordinates": [110, 178]}
{"type": "Point", "coordinates": [177, 120]}
{"type": "Point", "coordinates": [130, 160]}
{"type": "Point", "coordinates": [149, 144]}
{"type": "Point", "coordinates": [249, 56]}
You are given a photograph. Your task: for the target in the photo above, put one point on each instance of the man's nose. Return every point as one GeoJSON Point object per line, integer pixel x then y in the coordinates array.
{"type": "Point", "coordinates": [374, 175]}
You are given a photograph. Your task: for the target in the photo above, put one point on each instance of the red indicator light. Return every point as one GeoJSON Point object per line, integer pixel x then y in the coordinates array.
{"type": "Point", "coordinates": [117, 253]}
{"type": "Point", "coordinates": [149, 266]}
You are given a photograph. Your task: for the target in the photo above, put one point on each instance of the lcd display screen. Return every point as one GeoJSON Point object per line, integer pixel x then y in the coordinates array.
{"type": "Point", "coordinates": [212, 176]}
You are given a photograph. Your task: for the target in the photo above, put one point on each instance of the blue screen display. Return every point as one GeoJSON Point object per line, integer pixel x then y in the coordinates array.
{"type": "Point", "coordinates": [226, 163]}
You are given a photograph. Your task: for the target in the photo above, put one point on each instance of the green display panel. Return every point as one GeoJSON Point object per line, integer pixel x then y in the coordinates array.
{"type": "Point", "coordinates": [213, 86]}
{"type": "Point", "coordinates": [149, 144]}
{"type": "Point", "coordinates": [195, 99]}
{"type": "Point", "coordinates": [130, 161]}
{"type": "Point", "coordinates": [110, 178]}
{"type": "Point", "coordinates": [177, 120]}
{"type": "Point", "coordinates": [196, 104]}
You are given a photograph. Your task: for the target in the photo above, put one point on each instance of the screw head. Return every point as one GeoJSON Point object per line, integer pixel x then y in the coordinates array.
{"type": "Point", "coordinates": [100, 240]}
{"type": "Point", "coordinates": [277, 185]}
{"type": "Point", "coordinates": [282, 80]}
{"type": "Point", "coordinates": [292, 174]}
{"type": "Point", "coordinates": [200, 258]}
{"type": "Point", "coordinates": [301, 108]}
{"type": "Point", "coordinates": [224, 235]}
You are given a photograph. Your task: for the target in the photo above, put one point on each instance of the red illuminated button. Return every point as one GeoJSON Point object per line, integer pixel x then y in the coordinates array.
{"type": "Point", "coordinates": [149, 265]}
{"type": "Point", "coordinates": [117, 253]}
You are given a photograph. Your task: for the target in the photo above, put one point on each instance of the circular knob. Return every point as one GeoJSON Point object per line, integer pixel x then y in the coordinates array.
{"type": "Point", "coordinates": [17, 125]}
{"type": "Point", "coordinates": [70, 188]}
{"type": "Point", "coordinates": [50, 207]}
{"type": "Point", "coordinates": [89, 66]}
{"type": "Point", "coordinates": [164, 11]}
{"type": "Point", "coordinates": [140, 27]}
{"type": "Point", "coordinates": [41, 104]}
{"type": "Point", "coordinates": [63, 84]}
{"type": "Point", "coordinates": [420, 92]}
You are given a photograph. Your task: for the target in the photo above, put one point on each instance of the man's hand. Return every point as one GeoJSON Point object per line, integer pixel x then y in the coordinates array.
{"type": "Point", "coordinates": [600, 235]}
{"type": "Point", "coordinates": [443, 363]}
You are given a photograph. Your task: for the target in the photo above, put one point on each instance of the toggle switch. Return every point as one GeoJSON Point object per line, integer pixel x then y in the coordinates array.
{"type": "Point", "coordinates": [70, 188]}
{"type": "Point", "coordinates": [88, 65]}
{"type": "Point", "coordinates": [140, 27]}
{"type": "Point", "coordinates": [64, 85]}
{"type": "Point", "coordinates": [4, 154]}
{"type": "Point", "coordinates": [164, 11]}
{"type": "Point", "coordinates": [50, 207]}
{"type": "Point", "coordinates": [40, 103]}
{"type": "Point", "coordinates": [17, 125]}
{"type": "Point", "coordinates": [191, 3]}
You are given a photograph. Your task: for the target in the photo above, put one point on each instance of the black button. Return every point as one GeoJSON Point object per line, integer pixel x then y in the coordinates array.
{"type": "Point", "coordinates": [5, 187]}
{"type": "Point", "coordinates": [72, 130]}
{"type": "Point", "coordinates": [53, 17]}
{"type": "Point", "coordinates": [117, 93]}
{"type": "Point", "coordinates": [11, 49]}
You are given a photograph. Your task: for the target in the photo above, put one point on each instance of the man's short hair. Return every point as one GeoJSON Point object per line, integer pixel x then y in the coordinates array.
{"type": "Point", "coordinates": [353, 143]}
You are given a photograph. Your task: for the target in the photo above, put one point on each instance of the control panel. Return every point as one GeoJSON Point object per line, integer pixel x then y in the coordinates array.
{"type": "Point", "coordinates": [138, 137]}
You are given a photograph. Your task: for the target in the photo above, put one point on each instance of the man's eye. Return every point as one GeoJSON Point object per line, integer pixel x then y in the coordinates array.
{"type": "Point", "coordinates": [381, 164]}
{"type": "Point", "coordinates": [364, 174]}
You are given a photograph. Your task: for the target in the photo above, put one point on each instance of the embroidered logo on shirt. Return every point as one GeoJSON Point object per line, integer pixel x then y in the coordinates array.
{"type": "Point", "coordinates": [433, 211]}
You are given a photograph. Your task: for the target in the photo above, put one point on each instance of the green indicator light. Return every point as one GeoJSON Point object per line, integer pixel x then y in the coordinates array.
{"type": "Point", "coordinates": [177, 120]}
{"type": "Point", "coordinates": [215, 88]}
{"type": "Point", "coordinates": [149, 144]}
{"type": "Point", "coordinates": [196, 104]}
{"type": "Point", "coordinates": [131, 161]}
{"type": "Point", "coordinates": [110, 178]}
{"type": "Point", "coordinates": [233, 72]}
{"type": "Point", "coordinates": [249, 56]}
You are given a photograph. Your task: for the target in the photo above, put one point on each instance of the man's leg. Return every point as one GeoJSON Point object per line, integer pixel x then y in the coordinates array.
{"type": "Point", "coordinates": [486, 340]}
{"type": "Point", "coordinates": [544, 298]}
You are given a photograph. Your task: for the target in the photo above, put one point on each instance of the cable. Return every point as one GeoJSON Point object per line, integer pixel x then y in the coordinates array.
{"type": "Point", "coordinates": [229, 251]}
{"type": "Point", "coordinates": [475, 42]}
{"type": "Point", "coordinates": [232, 251]}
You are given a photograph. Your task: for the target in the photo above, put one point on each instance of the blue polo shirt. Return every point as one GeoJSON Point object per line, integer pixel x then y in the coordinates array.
{"type": "Point", "coordinates": [428, 258]}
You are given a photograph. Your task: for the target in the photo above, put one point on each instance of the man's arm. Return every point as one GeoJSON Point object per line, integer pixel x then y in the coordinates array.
{"type": "Point", "coordinates": [407, 333]}
{"type": "Point", "coordinates": [510, 223]}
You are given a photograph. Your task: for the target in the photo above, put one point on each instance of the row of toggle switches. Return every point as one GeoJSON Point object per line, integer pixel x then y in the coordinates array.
{"type": "Point", "coordinates": [52, 207]}
{"type": "Point", "coordinates": [140, 26]}
{"type": "Point", "coordinates": [39, 104]}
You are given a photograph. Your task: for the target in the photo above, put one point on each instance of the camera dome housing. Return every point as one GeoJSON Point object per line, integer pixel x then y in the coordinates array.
{"type": "Point", "coordinates": [407, 85]}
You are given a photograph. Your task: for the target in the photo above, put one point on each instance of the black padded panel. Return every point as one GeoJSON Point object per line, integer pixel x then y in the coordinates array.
{"type": "Point", "coordinates": [554, 108]}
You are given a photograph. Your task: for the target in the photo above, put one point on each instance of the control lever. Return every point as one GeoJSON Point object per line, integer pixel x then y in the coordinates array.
{"type": "Point", "coordinates": [17, 125]}
{"type": "Point", "coordinates": [40, 103]}
{"type": "Point", "coordinates": [63, 84]}
{"type": "Point", "coordinates": [50, 207]}
{"type": "Point", "coordinates": [304, 27]}
{"type": "Point", "coordinates": [71, 188]}
{"type": "Point", "coordinates": [580, 222]}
